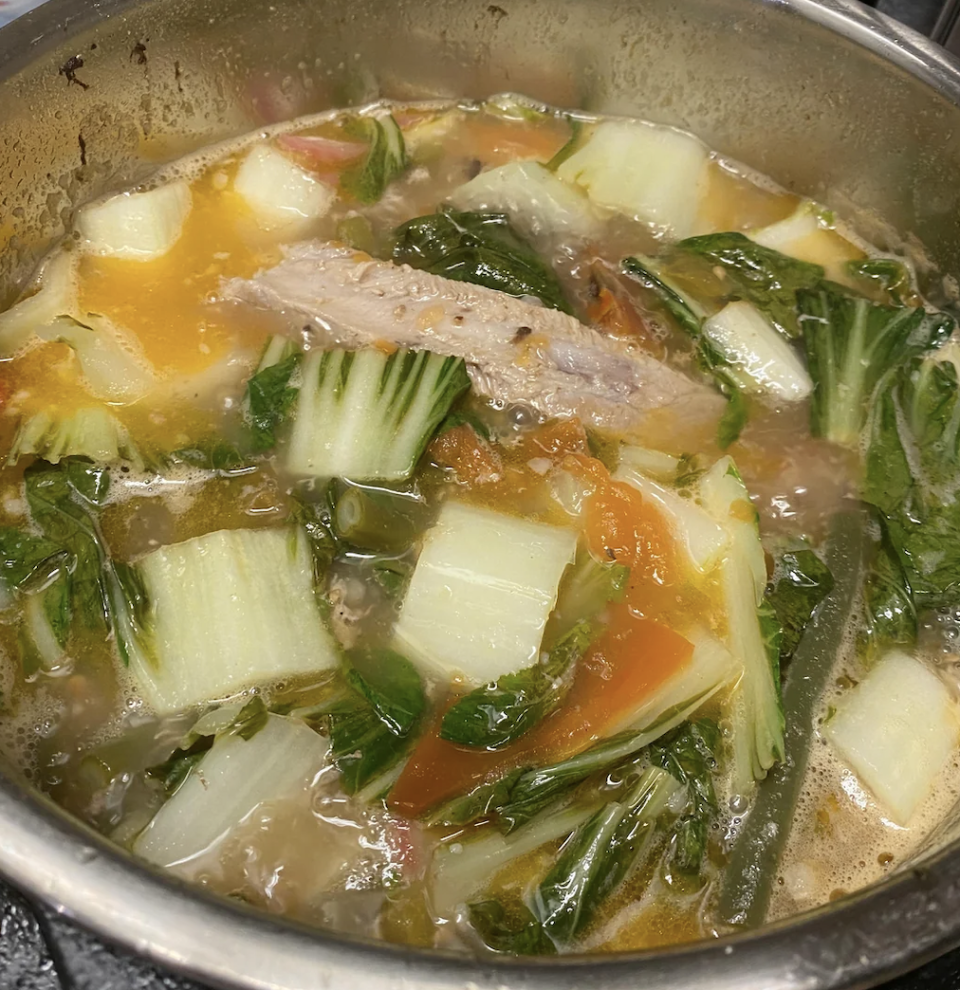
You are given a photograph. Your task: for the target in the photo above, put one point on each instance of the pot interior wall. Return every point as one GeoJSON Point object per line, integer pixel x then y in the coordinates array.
{"type": "Point", "coordinates": [90, 103]}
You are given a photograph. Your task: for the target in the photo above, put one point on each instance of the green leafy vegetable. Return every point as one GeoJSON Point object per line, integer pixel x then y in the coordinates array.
{"type": "Point", "coordinates": [912, 478]}
{"type": "Point", "coordinates": [270, 398]}
{"type": "Point", "coordinates": [689, 316]}
{"type": "Point", "coordinates": [850, 344]}
{"type": "Point", "coordinates": [481, 248]}
{"type": "Point", "coordinates": [61, 499]}
{"type": "Point", "coordinates": [569, 147]}
{"type": "Point", "coordinates": [385, 161]}
{"type": "Point", "coordinates": [390, 684]}
{"type": "Point", "coordinates": [768, 279]}
{"type": "Point", "coordinates": [891, 614]}
{"type": "Point", "coordinates": [800, 582]}
{"type": "Point", "coordinates": [251, 718]}
{"type": "Point", "coordinates": [217, 455]}
{"type": "Point", "coordinates": [316, 520]}
{"type": "Point", "coordinates": [585, 591]}
{"type": "Point", "coordinates": [691, 755]}
{"type": "Point", "coordinates": [27, 560]}
{"type": "Point", "coordinates": [688, 313]}
{"type": "Point", "coordinates": [370, 728]}
{"type": "Point", "coordinates": [890, 276]}
{"type": "Point", "coordinates": [516, 932]}
{"type": "Point", "coordinates": [497, 714]}
{"type": "Point", "coordinates": [378, 518]}
{"type": "Point", "coordinates": [597, 857]}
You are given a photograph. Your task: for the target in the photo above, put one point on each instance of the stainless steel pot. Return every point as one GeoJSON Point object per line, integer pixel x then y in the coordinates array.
{"type": "Point", "coordinates": [828, 98]}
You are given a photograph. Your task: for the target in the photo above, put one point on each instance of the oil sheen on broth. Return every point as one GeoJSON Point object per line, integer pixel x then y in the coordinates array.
{"type": "Point", "coordinates": [411, 514]}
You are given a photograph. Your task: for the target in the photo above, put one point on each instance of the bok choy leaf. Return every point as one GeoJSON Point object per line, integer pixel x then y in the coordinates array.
{"type": "Point", "coordinates": [481, 248]}
{"type": "Point", "coordinates": [597, 857]}
{"type": "Point", "coordinates": [385, 161]}
{"type": "Point", "coordinates": [800, 582]}
{"type": "Point", "coordinates": [496, 714]}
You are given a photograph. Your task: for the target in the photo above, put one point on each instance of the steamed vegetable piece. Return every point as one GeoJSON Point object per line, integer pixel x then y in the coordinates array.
{"type": "Point", "coordinates": [652, 173]}
{"type": "Point", "coordinates": [890, 275]}
{"type": "Point", "coordinates": [537, 202]}
{"type": "Point", "coordinates": [497, 714]}
{"type": "Point", "coordinates": [481, 593]}
{"type": "Point", "coordinates": [90, 432]}
{"type": "Point", "coordinates": [800, 582]}
{"type": "Point", "coordinates": [896, 729]}
{"type": "Point", "coordinates": [270, 395]}
{"type": "Point", "coordinates": [482, 248]}
{"type": "Point", "coordinates": [599, 855]}
{"type": "Point", "coordinates": [912, 477]}
{"type": "Point", "coordinates": [385, 161]}
{"type": "Point", "coordinates": [765, 362]}
{"type": "Point", "coordinates": [753, 637]}
{"type": "Point", "coordinates": [368, 727]}
{"type": "Point", "coordinates": [788, 235]}
{"type": "Point", "coordinates": [850, 344]}
{"type": "Point", "coordinates": [236, 776]}
{"type": "Point", "coordinates": [461, 870]}
{"type": "Point", "coordinates": [368, 415]}
{"type": "Point", "coordinates": [225, 612]}
{"type": "Point", "coordinates": [110, 359]}
{"type": "Point", "coordinates": [516, 931]}
{"type": "Point", "coordinates": [141, 225]}
{"type": "Point", "coordinates": [753, 867]}
{"type": "Point", "coordinates": [280, 193]}
{"type": "Point", "coordinates": [768, 279]}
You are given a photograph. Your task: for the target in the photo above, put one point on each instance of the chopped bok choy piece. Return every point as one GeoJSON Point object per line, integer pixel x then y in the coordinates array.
{"type": "Point", "coordinates": [111, 360]}
{"type": "Point", "coordinates": [45, 626]}
{"type": "Point", "coordinates": [596, 859]}
{"type": "Point", "coordinates": [896, 730]}
{"type": "Point", "coordinates": [481, 593]}
{"type": "Point", "coordinates": [385, 161]}
{"type": "Point", "coordinates": [227, 611]}
{"type": "Point", "coordinates": [91, 432]}
{"type": "Point", "coordinates": [756, 714]}
{"type": "Point", "coordinates": [140, 225]}
{"type": "Point", "coordinates": [278, 191]}
{"type": "Point", "coordinates": [645, 171]}
{"type": "Point", "coordinates": [703, 539]}
{"type": "Point", "coordinates": [763, 361]}
{"type": "Point", "coordinates": [789, 234]}
{"type": "Point", "coordinates": [537, 202]}
{"type": "Point", "coordinates": [851, 343]}
{"type": "Point", "coordinates": [461, 869]}
{"type": "Point", "coordinates": [270, 392]}
{"type": "Point", "coordinates": [235, 777]}
{"type": "Point", "coordinates": [650, 463]}
{"type": "Point", "coordinates": [366, 415]}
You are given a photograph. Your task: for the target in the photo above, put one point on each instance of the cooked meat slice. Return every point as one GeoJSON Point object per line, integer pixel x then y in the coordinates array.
{"type": "Point", "coordinates": [516, 351]}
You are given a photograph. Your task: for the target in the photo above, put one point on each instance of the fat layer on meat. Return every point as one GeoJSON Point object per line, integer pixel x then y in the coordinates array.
{"type": "Point", "coordinates": [516, 351]}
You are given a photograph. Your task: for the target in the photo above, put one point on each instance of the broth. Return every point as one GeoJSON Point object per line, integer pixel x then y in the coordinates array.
{"type": "Point", "coordinates": [581, 542]}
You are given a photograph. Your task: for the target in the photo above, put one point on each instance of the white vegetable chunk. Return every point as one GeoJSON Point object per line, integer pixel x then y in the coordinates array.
{"type": "Point", "coordinates": [111, 360]}
{"type": "Point", "coordinates": [278, 191]}
{"type": "Point", "coordinates": [228, 784]}
{"type": "Point", "coordinates": [750, 343]}
{"type": "Point", "coordinates": [652, 463]}
{"type": "Point", "coordinates": [649, 172]}
{"type": "Point", "coordinates": [896, 730]}
{"type": "Point", "coordinates": [481, 593]}
{"type": "Point", "coordinates": [229, 610]}
{"type": "Point", "coordinates": [141, 226]}
{"type": "Point", "coordinates": [785, 235]}
{"type": "Point", "coordinates": [753, 709]}
{"type": "Point", "coordinates": [537, 202]}
{"type": "Point", "coordinates": [702, 538]}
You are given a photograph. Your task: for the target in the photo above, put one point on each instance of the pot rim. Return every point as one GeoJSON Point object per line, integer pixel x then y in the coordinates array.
{"type": "Point", "coordinates": [905, 920]}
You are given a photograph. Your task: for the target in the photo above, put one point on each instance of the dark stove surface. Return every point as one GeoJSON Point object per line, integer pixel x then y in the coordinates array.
{"type": "Point", "coordinates": [41, 951]}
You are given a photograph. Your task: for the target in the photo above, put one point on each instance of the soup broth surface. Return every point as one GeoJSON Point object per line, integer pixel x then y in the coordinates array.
{"type": "Point", "coordinates": [411, 517]}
